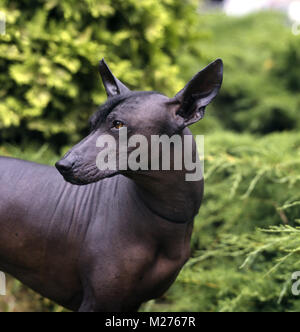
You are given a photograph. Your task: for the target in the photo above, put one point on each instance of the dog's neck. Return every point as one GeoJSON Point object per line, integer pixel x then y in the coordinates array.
{"type": "Point", "coordinates": [168, 193]}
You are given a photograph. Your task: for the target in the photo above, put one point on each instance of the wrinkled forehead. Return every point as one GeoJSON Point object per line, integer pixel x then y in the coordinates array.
{"type": "Point", "coordinates": [143, 102]}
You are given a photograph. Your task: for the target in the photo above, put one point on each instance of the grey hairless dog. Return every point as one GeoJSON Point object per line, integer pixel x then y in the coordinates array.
{"type": "Point", "coordinates": [107, 245]}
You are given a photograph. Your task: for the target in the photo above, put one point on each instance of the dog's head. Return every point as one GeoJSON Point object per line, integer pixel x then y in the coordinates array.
{"type": "Point", "coordinates": [128, 113]}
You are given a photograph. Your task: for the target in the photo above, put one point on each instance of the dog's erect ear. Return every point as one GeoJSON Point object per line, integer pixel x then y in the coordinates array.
{"type": "Point", "coordinates": [198, 93]}
{"type": "Point", "coordinates": [112, 85]}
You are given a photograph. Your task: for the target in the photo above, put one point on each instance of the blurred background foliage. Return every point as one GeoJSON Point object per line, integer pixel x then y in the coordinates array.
{"type": "Point", "coordinates": [49, 78]}
{"type": "Point", "coordinates": [246, 241]}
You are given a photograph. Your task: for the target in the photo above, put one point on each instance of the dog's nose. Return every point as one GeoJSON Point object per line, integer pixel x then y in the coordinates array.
{"type": "Point", "coordinates": [65, 165]}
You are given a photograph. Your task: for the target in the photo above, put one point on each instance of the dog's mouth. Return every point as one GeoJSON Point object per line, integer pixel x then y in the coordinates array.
{"type": "Point", "coordinates": [90, 177]}
{"type": "Point", "coordinates": [73, 180]}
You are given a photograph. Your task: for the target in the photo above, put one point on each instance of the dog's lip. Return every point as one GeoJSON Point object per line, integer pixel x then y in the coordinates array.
{"type": "Point", "coordinates": [69, 176]}
{"type": "Point", "coordinates": [63, 172]}
{"type": "Point", "coordinates": [71, 179]}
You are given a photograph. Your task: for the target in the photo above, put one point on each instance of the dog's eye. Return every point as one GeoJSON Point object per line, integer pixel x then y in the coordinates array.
{"type": "Point", "coordinates": [118, 124]}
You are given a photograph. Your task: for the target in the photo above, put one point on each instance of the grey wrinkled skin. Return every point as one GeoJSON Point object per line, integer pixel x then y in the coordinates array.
{"type": "Point", "coordinates": [94, 240]}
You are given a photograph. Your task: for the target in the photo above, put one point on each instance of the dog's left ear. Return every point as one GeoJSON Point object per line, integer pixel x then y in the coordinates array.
{"type": "Point", "coordinates": [112, 85]}
{"type": "Point", "coordinates": [198, 93]}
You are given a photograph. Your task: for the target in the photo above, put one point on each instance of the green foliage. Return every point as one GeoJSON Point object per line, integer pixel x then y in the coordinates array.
{"type": "Point", "coordinates": [48, 63]}
{"type": "Point", "coordinates": [261, 86]}
{"type": "Point", "coordinates": [21, 299]}
{"type": "Point", "coordinates": [48, 58]}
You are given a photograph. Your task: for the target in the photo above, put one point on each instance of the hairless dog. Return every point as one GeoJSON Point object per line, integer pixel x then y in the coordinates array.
{"type": "Point", "coordinates": [93, 240]}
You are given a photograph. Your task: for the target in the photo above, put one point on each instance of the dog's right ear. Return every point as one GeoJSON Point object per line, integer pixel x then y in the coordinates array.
{"type": "Point", "coordinates": [112, 85]}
